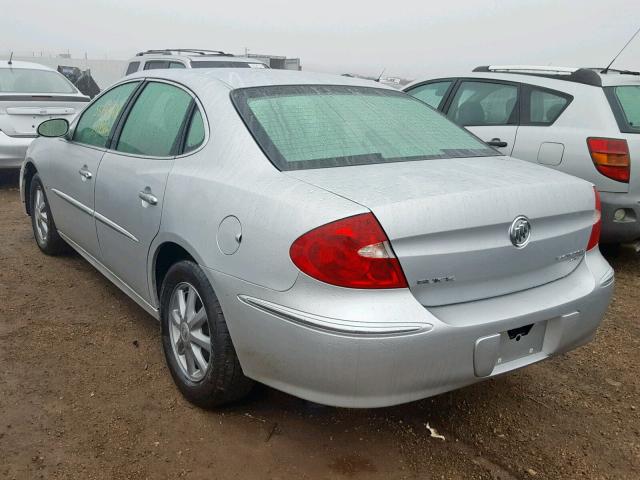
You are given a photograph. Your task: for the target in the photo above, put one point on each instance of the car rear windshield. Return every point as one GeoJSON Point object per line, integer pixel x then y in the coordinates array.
{"type": "Point", "coordinates": [317, 126]}
{"type": "Point", "coordinates": [226, 64]}
{"type": "Point", "coordinates": [26, 80]}
{"type": "Point", "coordinates": [626, 106]}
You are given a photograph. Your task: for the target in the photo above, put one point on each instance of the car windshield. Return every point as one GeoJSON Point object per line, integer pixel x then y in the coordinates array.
{"type": "Point", "coordinates": [629, 98]}
{"type": "Point", "coordinates": [318, 126]}
{"type": "Point", "coordinates": [226, 64]}
{"type": "Point", "coordinates": [26, 80]}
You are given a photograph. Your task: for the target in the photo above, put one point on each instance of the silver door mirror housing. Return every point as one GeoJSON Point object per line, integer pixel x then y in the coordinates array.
{"type": "Point", "coordinates": [55, 127]}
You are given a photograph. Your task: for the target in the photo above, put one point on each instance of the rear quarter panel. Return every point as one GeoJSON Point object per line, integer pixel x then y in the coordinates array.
{"type": "Point", "coordinates": [231, 176]}
{"type": "Point", "coordinates": [588, 115]}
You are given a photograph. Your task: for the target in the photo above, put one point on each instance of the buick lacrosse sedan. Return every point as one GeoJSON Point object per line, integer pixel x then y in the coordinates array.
{"type": "Point", "coordinates": [330, 237]}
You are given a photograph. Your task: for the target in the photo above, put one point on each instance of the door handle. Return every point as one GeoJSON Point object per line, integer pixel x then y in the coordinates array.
{"type": "Point", "coordinates": [85, 174]}
{"type": "Point", "coordinates": [147, 196]}
{"type": "Point", "coordinates": [496, 142]}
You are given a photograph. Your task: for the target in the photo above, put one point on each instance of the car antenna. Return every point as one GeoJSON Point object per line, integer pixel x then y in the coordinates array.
{"type": "Point", "coordinates": [10, 58]}
{"type": "Point", "coordinates": [380, 76]}
{"type": "Point", "coordinates": [623, 48]}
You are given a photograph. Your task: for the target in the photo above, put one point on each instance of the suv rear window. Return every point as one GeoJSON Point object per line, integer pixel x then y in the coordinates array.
{"type": "Point", "coordinates": [625, 101]}
{"type": "Point", "coordinates": [27, 80]}
{"type": "Point", "coordinates": [318, 126]}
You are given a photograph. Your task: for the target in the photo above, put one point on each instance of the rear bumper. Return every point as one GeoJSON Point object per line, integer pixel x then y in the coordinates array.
{"type": "Point", "coordinates": [13, 150]}
{"type": "Point", "coordinates": [380, 348]}
{"type": "Point", "coordinates": [624, 231]}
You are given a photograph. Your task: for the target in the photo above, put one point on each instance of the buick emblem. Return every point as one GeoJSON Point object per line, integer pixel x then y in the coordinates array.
{"type": "Point", "coordinates": [520, 232]}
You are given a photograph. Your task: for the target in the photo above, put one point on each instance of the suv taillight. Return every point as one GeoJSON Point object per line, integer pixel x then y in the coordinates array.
{"type": "Point", "coordinates": [611, 157]}
{"type": "Point", "coordinates": [353, 252]}
{"type": "Point", "coordinates": [594, 239]}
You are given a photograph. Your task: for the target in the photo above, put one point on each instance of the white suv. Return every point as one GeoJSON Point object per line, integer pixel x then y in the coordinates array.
{"type": "Point", "coordinates": [189, 58]}
{"type": "Point", "coordinates": [582, 121]}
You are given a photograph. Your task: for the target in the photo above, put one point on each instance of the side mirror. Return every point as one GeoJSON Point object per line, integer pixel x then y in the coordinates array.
{"type": "Point", "coordinates": [55, 127]}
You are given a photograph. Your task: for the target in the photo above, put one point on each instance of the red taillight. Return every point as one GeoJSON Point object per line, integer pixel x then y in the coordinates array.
{"type": "Point", "coordinates": [611, 157]}
{"type": "Point", "coordinates": [597, 224]}
{"type": "Point", "coordinates": [353, 252]}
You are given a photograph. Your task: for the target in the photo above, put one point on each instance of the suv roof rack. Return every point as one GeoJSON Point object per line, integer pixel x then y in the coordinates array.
{"type": "Point", "coordinates": [197, 51]}
{"type": "Point", "coordinates": [586, 76]}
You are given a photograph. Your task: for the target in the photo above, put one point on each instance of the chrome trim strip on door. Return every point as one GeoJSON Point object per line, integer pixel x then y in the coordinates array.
{"type": "Point", "coordinates": [115, 226]}
{"type": "Point", "coordinates": [73, 202]}
{"type": "Point", "coordinates": [333, 325]}
{"type": "Point", "coordinates": [95, 214]}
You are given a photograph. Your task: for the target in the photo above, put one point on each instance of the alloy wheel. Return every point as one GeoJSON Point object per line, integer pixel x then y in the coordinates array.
{"type": "Point", "coordinates": [41, 217]}
{"type": "Point", "coordinates": [189, 331]}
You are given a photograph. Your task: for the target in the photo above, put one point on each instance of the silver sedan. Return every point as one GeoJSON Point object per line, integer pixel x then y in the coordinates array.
{"type": "Point", "coordinates": [330, 237]}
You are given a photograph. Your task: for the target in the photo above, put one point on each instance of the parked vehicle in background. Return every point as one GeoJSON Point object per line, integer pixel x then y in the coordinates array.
{"type": "Point", "coordinates": [582, 121]}
{"type": "Point", "coordinates": [29, 94]}
{"type": "Point", "coordinates": [82, 80]}
{"type": "Point", "coordinates": [328, 236]}
{"type": "Point", "coordinates": [189, 58]}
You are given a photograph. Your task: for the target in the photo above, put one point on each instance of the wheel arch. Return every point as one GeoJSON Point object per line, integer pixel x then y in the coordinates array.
{"type": "Point", "coordinates": [166, 252]}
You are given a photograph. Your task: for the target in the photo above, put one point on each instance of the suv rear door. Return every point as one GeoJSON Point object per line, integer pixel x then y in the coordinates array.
{"type": "Point", "coordinates": [537, 142]}
{"type": "Point", "coordinates": [487, 108]}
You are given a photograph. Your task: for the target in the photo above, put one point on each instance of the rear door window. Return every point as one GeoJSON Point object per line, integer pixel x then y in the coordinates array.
{"type": "Point", "coordinates": [96, 123]}
{"type": "Point", "coordinates": [431, 93]}
{"type": "Point", "coordinates": [156, 64]}
{"type": "Point", "coordinates": [195, 134]}
{"type": "Point", "coordinates": [154, 122]}
{"type": "Point", "coordinates": [544, 106]}
{"type": "Point", "coordinates": [484, 103]}
{"type": "Point", "coordinates": [625, 101]}
{"type": "Point", "coordinates": [132, 68]}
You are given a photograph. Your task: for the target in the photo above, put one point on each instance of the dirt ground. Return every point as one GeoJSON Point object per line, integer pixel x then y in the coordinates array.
{"type": "Point", "coordinates": [84, 393]}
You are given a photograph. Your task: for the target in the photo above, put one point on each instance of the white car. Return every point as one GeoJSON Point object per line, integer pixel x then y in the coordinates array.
{"type": "Point", "coordinates": [582, 121]}
{"type": "Point", "coordinates": [29, 94]}
{"type": "Point", "coordinates": [189, 58]}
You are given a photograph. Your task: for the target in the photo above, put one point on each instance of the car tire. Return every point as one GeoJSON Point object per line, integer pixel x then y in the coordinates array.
{"type": "Point", "coordinates": [44, 227]}
{"type": "Point", "coordinates": [610, 250]}
{"type": "Point", "coordinates": [206, 378]}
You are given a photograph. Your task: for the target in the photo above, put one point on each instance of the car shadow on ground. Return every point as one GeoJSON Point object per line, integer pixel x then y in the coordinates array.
{"type": "Point", "coordinates": [9, 179]}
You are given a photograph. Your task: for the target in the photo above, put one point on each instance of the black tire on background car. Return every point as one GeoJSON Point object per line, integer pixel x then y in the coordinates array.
{"type": "Point", "coordinates": [196, 341]}
{"type": "Point", "coordinates": [610, 250]}
{"type": "Point", "coordinates": [44, 227]}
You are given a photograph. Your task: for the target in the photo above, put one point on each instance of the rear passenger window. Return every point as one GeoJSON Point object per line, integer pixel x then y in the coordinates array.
{"type": "Point", "coordinates": [153, 124]}
{"type": "Point", "coordinates": [195, 135]}
{"type": "Point", "coordinates": [94, 127]}
{"type": "Point", "coordinates": [132, 68]}
{"type": "Point", "coordinates": [155, 64]}
{"type": "Point", "coordinates": [483, 103]}
{"type": "Point", "coordinates": [628, 103]}
{"type": "Point", "coordinates": [176, 65]}
{"type": "Point", "coordinates": [432, 93]}
{"type": "Point", "coordinates": [545, 107]}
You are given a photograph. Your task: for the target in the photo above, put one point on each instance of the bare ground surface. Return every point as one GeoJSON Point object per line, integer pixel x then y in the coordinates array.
{"type": "Point", "coordinates": [84, 393]}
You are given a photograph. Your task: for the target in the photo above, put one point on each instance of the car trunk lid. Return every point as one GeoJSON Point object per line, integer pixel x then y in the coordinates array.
{"type": "Point", "coordinates": [448, 221]}
{"type": "Point", "coordinates": [20, 114]}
